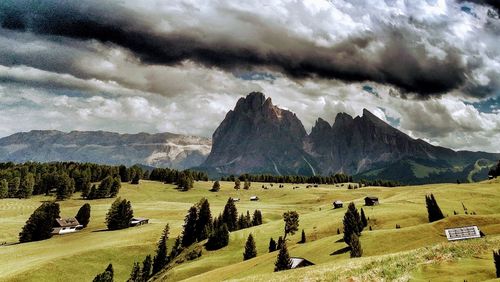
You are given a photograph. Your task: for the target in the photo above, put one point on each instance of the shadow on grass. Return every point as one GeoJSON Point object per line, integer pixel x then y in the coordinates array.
{"type": "Point", "coordinates": [341, 251]}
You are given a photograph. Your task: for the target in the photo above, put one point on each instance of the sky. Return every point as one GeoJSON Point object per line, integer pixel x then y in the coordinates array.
{"type": "Point", "coordinates": [430, 68]}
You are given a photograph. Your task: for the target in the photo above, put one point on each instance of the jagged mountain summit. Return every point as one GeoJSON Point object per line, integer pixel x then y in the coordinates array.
{"type": "Point", "coordinates": [258, 137]}
{"type": "Point", "coordinates": [159, 150]}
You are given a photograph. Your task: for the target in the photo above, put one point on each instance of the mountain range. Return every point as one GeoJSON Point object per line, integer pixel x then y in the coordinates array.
{"type": "Point", "coordinates": [259, 137]}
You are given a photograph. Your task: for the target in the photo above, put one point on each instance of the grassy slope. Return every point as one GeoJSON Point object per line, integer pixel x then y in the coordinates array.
{"type": "Point", "coordinates": [80, 256]}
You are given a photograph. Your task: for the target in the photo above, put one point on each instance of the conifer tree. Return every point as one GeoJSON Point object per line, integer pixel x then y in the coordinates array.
{"type": "Point", "coordinates": [352, 223]}
{"type": "Point", "coordinates": [146, 268]}
{"type": "Point", "coordinates": [83, 215]}
{"type": "Point", "coordinates": [230, 215]}
{"type": "Point", "coordinates": [364, 221]}
{"type": "Point", "coordinates": [237, 184]}
{"type": "Point", "coordinates": [176, 249]}
{"type": "Point", "coordinates": [119, 214]}
{"type": "Point", "coordinates": [115, 187]}
{"type": "Point", "coordinates": [303, 237]}
{"type": "Point", "coordinates": [291, 219]}
{"type": "Point", "coordinates": [4, 189]}
{"type": "Point", "coordinates": [136, 179]}
{"type": "Point", "coordinates": [356, 250]}
{"type": "Point", "coordinates": [283, 261]}
{"type": "Point", "coordinates": [39, 225]}
{"type": "Point", "coordinates": [280, 243]}
{"type": "Point", "coordinates": [106, 276]}
{"type": "Point", "coordinates": [161, 259]}
{"type": "Point", "coordinates": [85, 188]}
{"type": "Point", "coordinates": [14, 184]}
{"type": "Point", "coordinates": [496, 258]}
{"type": "Point", "coordinates": [65, 187]}
{"type": "Point", "coordinates": [204, 222]}
{"type": "Point", "coordinates": [257, 218]}
{"type": "Point", "coordinates": [124, 174]}
{"type": "Point", "coordinates": [26, 186]}
{"type": "Point", "coordinates": [219, 238]}
{"type": "Point", "coordinates": [92, 193]}
{"type": "Point", "coordinates": [189, 233]}
{"type": "Point", "coordinates": [216, 186]}
{"type": "Point", "coordinates": [272, 245]}
{"type": "Point", "coordinates": [250, 249]}
{"type": "Point", "coordinates": [135, 275]}
{"type": "Point", "coordinates": [247, 185]}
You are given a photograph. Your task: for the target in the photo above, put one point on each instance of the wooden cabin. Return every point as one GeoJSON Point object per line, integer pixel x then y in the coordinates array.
{"type": "Point", "coordinates": [371, 201]}
{"type": "Point", "coordinates": [338, 204]}
{"type": "Point", "coordinates": [66, 225]}
{"type": "Point", "coordinates": [136, 221]}
{"type": "Point", "coordinates": [297, 262]}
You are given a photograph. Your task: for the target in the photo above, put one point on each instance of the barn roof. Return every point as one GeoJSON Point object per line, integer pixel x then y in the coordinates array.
{"type": "Point", "coordinates": [67, 222]}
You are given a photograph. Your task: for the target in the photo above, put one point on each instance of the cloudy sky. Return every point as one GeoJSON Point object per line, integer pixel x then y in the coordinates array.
{"type": "Point", "coordinates": [430, 68]}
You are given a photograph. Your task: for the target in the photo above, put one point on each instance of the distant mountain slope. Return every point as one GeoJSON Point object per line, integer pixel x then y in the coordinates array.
{"type": "Point", "coordinates": [160, 150]}
{"type": "Point", "coordinates": [258, 137]}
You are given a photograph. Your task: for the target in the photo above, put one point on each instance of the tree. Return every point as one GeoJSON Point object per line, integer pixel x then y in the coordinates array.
{"type": "Point", "coordinates": [204, 222]}
{"type": "Point", "coordinates": [26, 186]}
{"type": "Point", "coordinates": [85, 187]}
{"type": "Point", "coordinates": [291, 219]}
{"type": "Point", "coordinates": [161, 258]}
{"type": "Point", "coordinates": [219, 238]}
{"type": "Point", "coordinates": [283, 261]}
{"type": "Point", "coordinates": [39, 225]}
{"type": "Point", "coordinates": [303, 237]}
{"type": "Point", "coordinates": [352, 223]}
{"type": "Point", "coordinates": [176, 249]}
{"type": "Point", "coordinates": [146, 268]}
{"type": "Point", "coordinates": [280, 243]}
{"type": "Point", "coordinates": [124, 174]}
{"type": "Point", "coordinates": [106, 276]}
{"type": "Point", "coordinates": [115, 187]}
{"type": "Point", "coordinates": [216, 186]}
{"type": "Point", "coordinates": [83, 215]}
{"type": "Point", "coordinates": [496, 258]}
{"type": "Point", "coordinates": [136, 179]}
{"type": "Point", "coordinates": [257, 218]}
{"type": "Point", "coordinates": [433, 210]}
{"type": "Point", "coordinates": [14, 186]}
{"type": "Point", "coordinates": [237, 184]}
{"type": "Point", "coordinates": [4, 189]}
{"type": "Point", "coordinates": [119, 215]}
{"type": "Point", "coordinates": [250, 249]}
{"type": "Point", "coordinates": [65, 186]}
{"type": "Point", "coordinates": [272, 245]}
{"type": "Point", "coordinates": [364, 221]}
{"type": "Point", "coordinates": [135, 275]}
{"type": "Point", "coordinates": [247, 185]}
{"type": "Point", "coordinates": [356, 250]}
{"type": "Point", "coordinates": [189, 233]}
{"type": "Point", "coordinates": [185, 181]}
{"type": "Point", "coordinates": [104, 188]}
{"type": "Point", "coordinates": [230, 215]}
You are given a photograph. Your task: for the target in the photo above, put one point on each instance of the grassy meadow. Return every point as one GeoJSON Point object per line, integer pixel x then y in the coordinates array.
{"type": "Point", "coordinates": [417, 251]}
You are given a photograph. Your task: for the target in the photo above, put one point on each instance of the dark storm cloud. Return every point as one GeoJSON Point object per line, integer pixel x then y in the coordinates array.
{"type": "Point", "coordinates": [401, 63]}
{"type": "Point", "coordinates": [492, 3]}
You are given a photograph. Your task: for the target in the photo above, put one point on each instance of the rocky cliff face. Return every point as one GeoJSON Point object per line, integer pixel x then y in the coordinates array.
{"type": "Point", "coordinates": [161, 150]}
{"type": "Point", "coordinates": [259, 137]}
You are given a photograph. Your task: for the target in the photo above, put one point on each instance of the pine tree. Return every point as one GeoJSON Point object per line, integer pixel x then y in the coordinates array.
{"type": "Point", "coordinates": [14, 184]}
{"type": "Point", "coordinates": [280, 243]}
{"type": "Point", "coordinates": [356, 250]}
{"type": "Point", "coordinates": [204, 222]}
{"type": "Point", "coordinates": [104, 188]}
{"type": "Point", "coordinates": [39, 225]}
{"type": "Point", "coordinates": [65, 187]}
{"type": "Point", "coordinates": [257, 218]}
{"type": "Point", "coordinates": [283, 261]}
{"type": "Point", "coordinates": [272, 245]}
{"type": "Point", "coordinates": [247, 185]}
{"type": "Point", "coordinates": [219, 238]}
{"type": "Point", "coordinates": [303, 237]}
{"type": "Point", "coordinates": [230, 215]}
{"type": "Point", "coordinates": [106, 276]}
{"type": "Point", "coordinates": [364, 221]}
{"type": "Point", "coordinates": [85, 188]}
{"type": "Point", "coordinates": [135, 275]}
{"type": "Point", "coordinates": [189, 233]}
{"type": "Point", "coordinates": [124, 174]}
{"type": "Point", "coordinates": [496, 258]}
{"type": "Point", "coordinates": [4, 189]}
{"type": "Point", "coordinates": [115, 187]}
{"type": "Point", "coordinates": [119, 215]}
{"type": "Point", "coordinates": [433, 210]}
{"type": "Point", "coordinates": [176, 249]}
{"type": "Point", "coordinates": [136, 179]}
{"type": "Point", "coordinates": [352, 223]}
{"type": "Point", "coordinates": [216, 186]}
{"type": "Point", "coordinates": [146, 268]}
{"type": "Point", "coordinates": [26, 186]}
{"type": "Point", "coordinates": [83, 215]}
{"type": "Point", "coordinates": [291, 219]}
{"type": "Point", "coordinates": [161, 259]}
{"type": "Point", "coordinates": [237, 184]}
{"type": "Point", "coordinates": [250, 249]}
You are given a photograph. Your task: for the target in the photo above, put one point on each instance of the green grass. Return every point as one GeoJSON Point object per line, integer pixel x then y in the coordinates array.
{"type": "Point", "coordinates": [80, 256]}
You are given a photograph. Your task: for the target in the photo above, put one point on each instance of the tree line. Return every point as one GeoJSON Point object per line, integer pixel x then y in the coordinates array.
{"type": "Point", "coordinates": [495, 170]}
{"type": "Point", "coordinates": [296, 179]}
